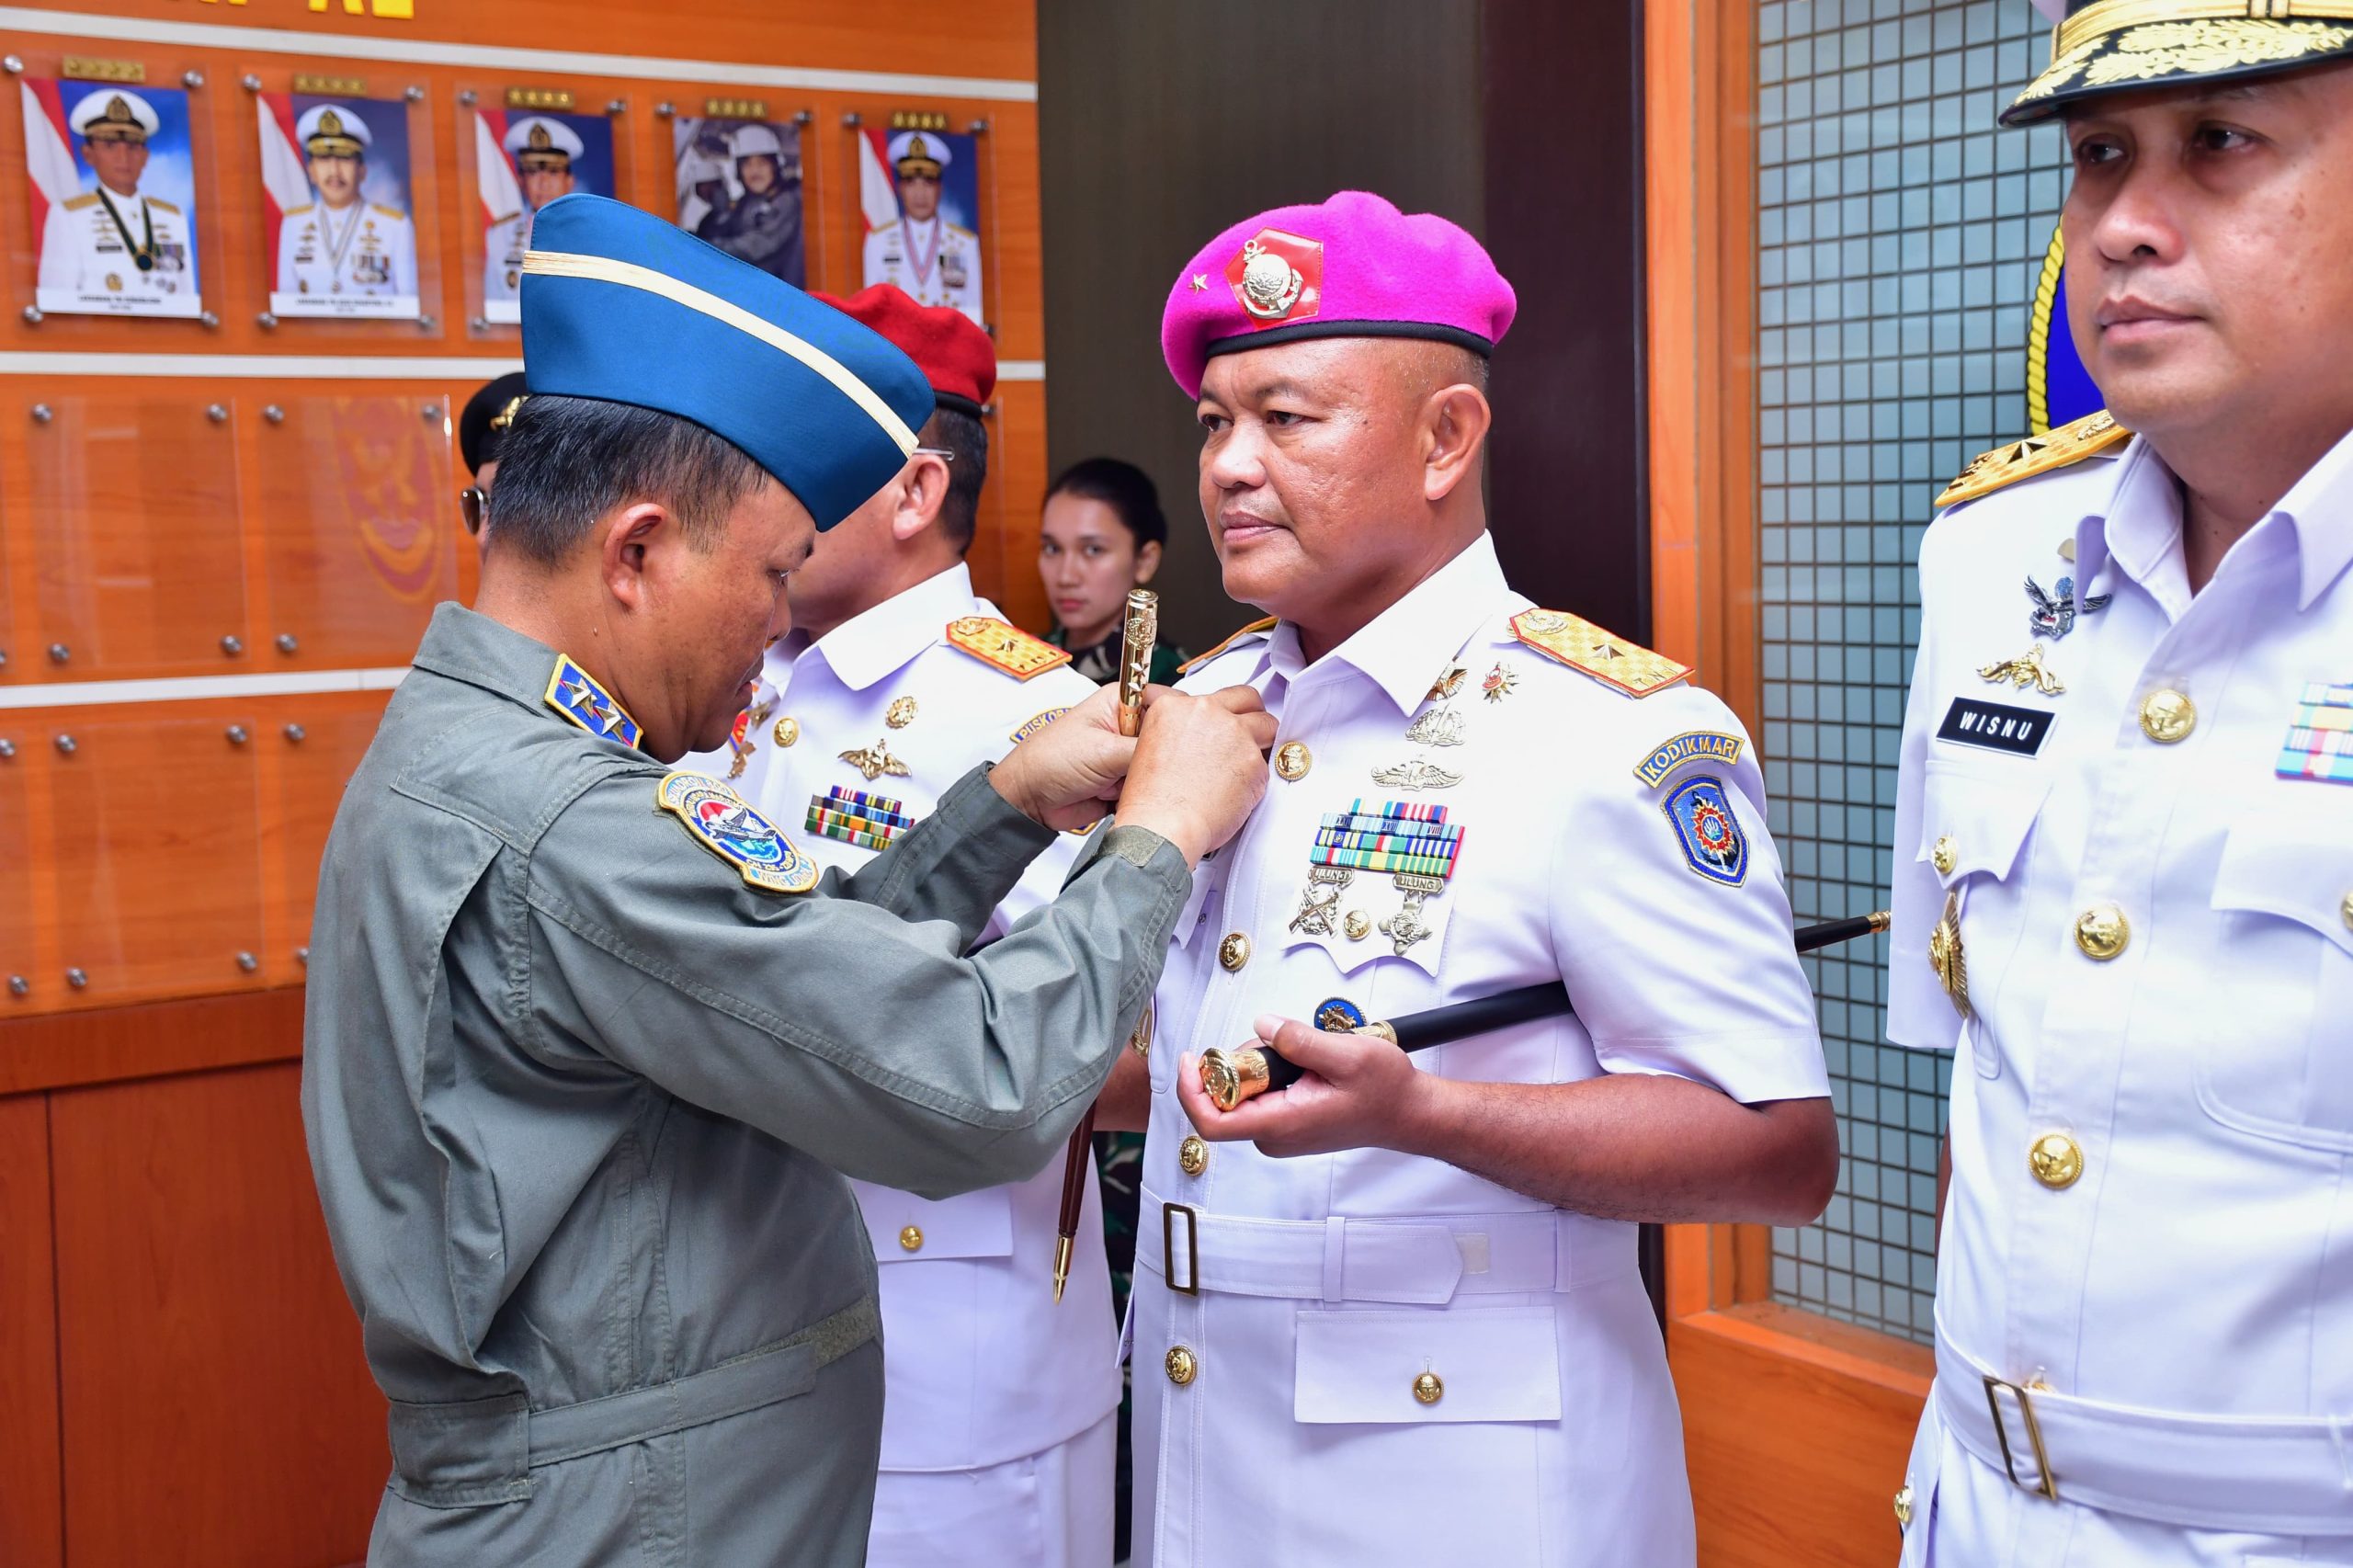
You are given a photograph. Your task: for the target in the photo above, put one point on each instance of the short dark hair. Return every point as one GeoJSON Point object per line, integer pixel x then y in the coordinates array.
{"type": "Point", "coordinates": [953, 430]}
{"type": "Point", "coordinates": [1123, 487]}
{"type": "Point", "coordinates": [568, 461]}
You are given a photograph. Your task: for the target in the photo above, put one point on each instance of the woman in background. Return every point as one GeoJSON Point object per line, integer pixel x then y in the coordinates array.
{"type": "Point", "coordinates": [1101, 535]}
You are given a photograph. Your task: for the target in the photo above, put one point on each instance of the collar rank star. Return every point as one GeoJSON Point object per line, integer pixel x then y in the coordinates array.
{"type": "Point", "coordinates": [574, 692]}
{"type": "Point", "coordinates": [723, 823]}
{"type": "Point", "coordinates": [2320, 741]}
{"type": "Point", "coordinates": [1712, 843]}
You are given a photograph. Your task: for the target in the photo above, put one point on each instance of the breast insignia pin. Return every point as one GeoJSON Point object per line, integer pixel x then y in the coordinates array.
{"type": "Point", "coordinates": [875, 760]}
{"type": "Point", "coordinates": [2025, 670]}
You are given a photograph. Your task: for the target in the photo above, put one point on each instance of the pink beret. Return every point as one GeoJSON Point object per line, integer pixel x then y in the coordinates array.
{"type": "Point", "coordinates": [1352, 266]}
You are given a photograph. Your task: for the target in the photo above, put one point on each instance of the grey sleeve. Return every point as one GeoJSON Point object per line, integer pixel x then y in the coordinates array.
{"type": "Point", "coordinates": [847, 1021]}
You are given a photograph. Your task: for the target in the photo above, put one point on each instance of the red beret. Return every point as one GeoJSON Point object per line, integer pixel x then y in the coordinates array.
{"type": "Point", "coordinates": [955, 356]}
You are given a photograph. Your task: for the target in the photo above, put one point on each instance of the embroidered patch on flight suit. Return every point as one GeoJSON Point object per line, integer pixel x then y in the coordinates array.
{"type": "Point", "coordinates": [1582, 646]}
{"type": "Point", "coordinates": [1037, 723]}
{"type": "Point", "coordinates": [1712, 843]}
{"type": "Point", "coordinates": [2319, 739]}
{"type": "Point", "coordinates": [1010, 649]}
{"type": "Point", "coordinates": [1673, 754]}
{"type": "Point", "coordinates": [858, 816]}
{"type": "Point", "coordinates": [725, 823]}
{"type": "Point", "coordinates": [574, 692]}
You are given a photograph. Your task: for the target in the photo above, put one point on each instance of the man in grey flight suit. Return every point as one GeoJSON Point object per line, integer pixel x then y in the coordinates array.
{"type": "Point", "coordinates": [590, 1045]}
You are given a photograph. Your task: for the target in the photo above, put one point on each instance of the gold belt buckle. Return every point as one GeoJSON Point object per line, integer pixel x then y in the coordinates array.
{"type": "Point", "coordinates": [2048, 1487]}
{"type": "Point", "coordinates": [1192, 1286]}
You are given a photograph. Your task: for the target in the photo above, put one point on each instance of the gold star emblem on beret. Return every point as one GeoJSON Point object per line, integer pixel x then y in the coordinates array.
{"type": "Point", "coordinates": [1200, 281]}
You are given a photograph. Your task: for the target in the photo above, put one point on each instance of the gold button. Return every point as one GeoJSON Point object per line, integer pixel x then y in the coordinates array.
{"type": "Point", "coordinates": [788, 729]}
{"type": "Point", "coordinates": [1945, 856]}
{"type": "Point", "coordinates": [1360, 924]}
{"type": "Point", "coordinates": [1193, 1155]}
{"type": "Point", "coordinates": [1234, 951]}
{"type": "Point", "coordinates": [2057, 1160]}
{"type": "Point", "coordinates": [901, 713]}
{"type": "Point", "coordinates": [1180, 1365]}
{"type": "Point", "coordinates": [2168, 716]}
{"type": "Point", "coordinates": [1429, 1388]}
{"type": "Point", "coordinates": [911, 1238]}
{"type": "Point", "coordinates": [1292, 759]}
{"type": "Point", "coordinates": [2102, 931]}
{"type": "Point", "coordinates": [1903, 1506]}
{"type": "Point", "coordinates": [2346, 909]}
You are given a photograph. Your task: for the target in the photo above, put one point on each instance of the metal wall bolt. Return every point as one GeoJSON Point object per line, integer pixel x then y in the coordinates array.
{"type": "Point", "coordinates": [852, 121]}
{"type": "Point", "coordinates": [295, 733]}
{"type": "Point", "coordinates": [3, 658]}
{"type": "Point", "coordinates": [7, 749]}
{"type": "Point", "coordinates": [248, 962]}
{"type": "Point", "coordinates": [59, 653]}
{"type": "Point", "coordinates": [978, 128]}
{"type": "Point", "coordinates": [413, 93]}
{"type": "Point", "coordinates": [273, 414]}
{"type": "Point", "coordinates": [666, 108]}
{"type": "Point", "coordinates": [12, 64]}
{"type": "Point", "coordinates": [191, 80]}
{"type": "Point", "coordinates": [211, 323]}
{"type": "Point", "coordinates": [478, 323]}
{"type": "Point", "coordinates": [466, 97]}
{"type": "Point", "coordinates": [431, 411]}
{"type": "Point", "coordinates": [233, 644]}
{"type": "Point", "coordinates": [32, 315]}
{"type": "Point", "coordinates": [76, 979]}
{"type": "Point", "coordinates": [616, 106]}
{"type": "Point", "coordinates": [286, 643]}
{"type": "Point", "coordinates": [266, 321]}
{"type": "Point", "coordinates": [302, 957]}
{"type": "Point", "coordinates": [19, 986]}
{"type": "Point", "coordinates": [805, 117]}
{"type": "Point", "coordinates": [65, 745]}
{"type": "Point", "coordinates": [217, 413]}
{"type": "Point", "coordinates": [238, 735]}
{"type": "Point", "coordinates": [988, 411]}
{"type": "Point", "coordinates": [42, 413]}
{"type": "Point", "coordinates": [250, 82]}
{"type": "Point", "coordinates": [428, 324]}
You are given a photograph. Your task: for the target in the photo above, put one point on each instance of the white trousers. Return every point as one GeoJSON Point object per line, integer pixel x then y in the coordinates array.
{"type": "Point", "coordinates": [1051, 1509]}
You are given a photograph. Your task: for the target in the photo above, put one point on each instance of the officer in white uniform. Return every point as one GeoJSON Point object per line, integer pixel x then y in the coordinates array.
{"type": "Point", "coordinates": [339, 244]}
{"type": "Point", "coordinates": [937, 262]}
{"type": "Point", "coordinates": [1399, 1344]}
{"type": "Point", "coordinates": [998, 1429]}
{"type": "Point", "coordinates": [115, 245]}
{"type": "Point", "coordinates": [543, 150]}
{"type": "Point", "coordinates": [2124, 846]}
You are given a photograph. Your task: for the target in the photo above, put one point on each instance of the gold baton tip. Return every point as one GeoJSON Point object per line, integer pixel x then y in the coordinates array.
{"type": "Point", "coordinates": [1881, 919]}
{"type": "Point", "coordinates": [1229, 1080]}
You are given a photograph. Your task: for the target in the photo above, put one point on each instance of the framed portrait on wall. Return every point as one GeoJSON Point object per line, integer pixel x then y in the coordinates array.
{"type": "Point", "coordinates": [523, 160]}
{"type": "Point", "coordinates": [336, 206]}
{"type": "Point", "coordinates": [919, 192]}
{"type": "Point", "coordinates": [110, 174]}
{"type": "Point", "coordinates": [739, 187]}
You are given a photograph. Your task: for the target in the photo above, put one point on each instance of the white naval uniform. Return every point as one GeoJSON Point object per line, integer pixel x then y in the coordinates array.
{"type": "Point", "coordinates": [362, 252]}
{"type": "Point", "coordinates": [997, 1434]}
{"type": "Point", "coordinates": [505, 241]}
{"type": "Point", "coordinates": [86, 266]}
{"type": "Point", "coordinates": [2185, 1307]}
{"type": "Point", "coordinates": [896, 253]}
{"type": "Point", "coordinates": [1328, 1284]}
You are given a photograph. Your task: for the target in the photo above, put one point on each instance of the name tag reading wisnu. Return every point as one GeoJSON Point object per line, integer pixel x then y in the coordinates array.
{"type": "Point", "coordinates": [1996, 726]}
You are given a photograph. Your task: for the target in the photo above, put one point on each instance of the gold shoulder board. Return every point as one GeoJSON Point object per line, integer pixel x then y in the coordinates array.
{"type": "Point", "coordinates": [2037, 454]}
{"type": "Point", "coordinates": [1584, 647]}
{"type": "Point", "coordinates": [1010, 649]}
{"type": "Point", "coordinates": [506, 218]}
{"type": "Point", "coordinates": [1189, 666]}
{"type": "Point", "coordinates": [77, 203]}
{"type": "Point", "coordinates": [297, 211]}
{"type": "Point", "coordinates": [385, 212]}
{"type": "Point", "coordinates": [162, 206]}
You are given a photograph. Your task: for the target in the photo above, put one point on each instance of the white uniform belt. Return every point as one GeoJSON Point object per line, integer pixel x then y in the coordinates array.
{"type": "Point", "coordinates": [2269, 1475]}
{"type": "Point", "coordinates": [1427, 1258]}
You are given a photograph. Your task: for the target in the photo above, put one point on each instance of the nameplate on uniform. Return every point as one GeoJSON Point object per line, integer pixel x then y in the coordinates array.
{"type": "Point", "coordinates": [1996, 726]}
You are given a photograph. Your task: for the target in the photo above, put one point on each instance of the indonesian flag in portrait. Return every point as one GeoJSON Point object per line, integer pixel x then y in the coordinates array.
{"type": "Point", "coordinates": [878, 187]}
{"type": "Point", "coordinates": [285, 182]}
{"type": "Point", "coordinates": [52, 178]}
{"type": "Point", "coordinates": [502, 191]}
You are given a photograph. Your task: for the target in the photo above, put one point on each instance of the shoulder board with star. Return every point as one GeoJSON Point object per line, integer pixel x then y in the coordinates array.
{"type": "Point", "coordinates": [1004, 646]}
{"type": "Point", "coordinates": [2092, 434]}
{"type": "Point", "coordinates": [82, 202]}
{"type": "Point", "coordinates": [162, 206]}
{"type": "Point", "coordinates": [297, 211]}
{"type": "Point", "coordinates": [1589, 649]}
{"type": "Point", "coordinates": [383, 212]}
{"type": "Point", "coordinates": [1253, 629]}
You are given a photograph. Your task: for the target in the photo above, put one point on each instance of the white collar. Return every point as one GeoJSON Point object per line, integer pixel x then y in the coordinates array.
{"type": "Point", "coordinates": [1407, 645]}
{"type": "Point", "coordinates": [882, 641]}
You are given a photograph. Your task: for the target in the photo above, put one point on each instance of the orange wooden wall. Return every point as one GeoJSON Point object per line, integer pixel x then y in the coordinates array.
{"type": "Point", "coordinates": [180, 1376]}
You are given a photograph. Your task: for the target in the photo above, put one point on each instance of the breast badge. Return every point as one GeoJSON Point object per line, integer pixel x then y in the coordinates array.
{"type": "Point", "coordinates": [2025, 670]}
{"type": "Point", "coordinates": [1414, 843]}
{"type": "Point", "coordinates": [2053, 615]}
{"type": "Point", "coordinates": [1713, 844]}
{"type": "Point", "coordinates": [875, 761]}
{"type": "Point", "coordinates": [858, 816]}
{"type": "Point", "coordinates": [723, 823]}
{"type": "Point", "coordinates": [2320, 739]}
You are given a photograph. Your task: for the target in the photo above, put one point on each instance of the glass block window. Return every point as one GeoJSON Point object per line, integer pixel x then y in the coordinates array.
{"type": "Point", "coordinates": [1899, 238]}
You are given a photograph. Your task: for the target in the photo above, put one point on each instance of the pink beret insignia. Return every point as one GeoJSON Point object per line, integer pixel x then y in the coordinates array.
{"type": "Point", "coordinates": [1351, 267]}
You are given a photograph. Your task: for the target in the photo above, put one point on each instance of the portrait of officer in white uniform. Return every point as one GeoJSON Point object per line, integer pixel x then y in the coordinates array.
{"type": "Point", "coordinates": [937, 262]}
{"type": "Point", "coordinates": [998, 1431]}
{"type": "Point", "coordinates": [542, 148]}
{"type": "Point", "coordinates": [118, 247]}
{"type": "Point", "coordinates": [2124, 842]}
{"type": "Point", "coordinates": [1392, 1314]}
{"type": "Point", "coordinates": [340, 254]}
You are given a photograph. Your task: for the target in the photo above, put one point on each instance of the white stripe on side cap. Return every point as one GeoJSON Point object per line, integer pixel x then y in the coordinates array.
{"type": "Point", "coordinates": [629, 275]}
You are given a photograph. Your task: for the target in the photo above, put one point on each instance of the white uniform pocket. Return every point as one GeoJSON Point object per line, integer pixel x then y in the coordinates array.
{"type": "Point", "coordinates": [971, 1224]}
{"type": "Point", "coordinates": [2284, 893]}
{"type": "Point", "coordinates": [1493, 1364]}
{"type": "Point", "coordinates": [1973, 828]}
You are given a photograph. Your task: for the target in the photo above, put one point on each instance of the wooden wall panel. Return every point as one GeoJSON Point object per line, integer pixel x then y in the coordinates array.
{"type": "Point", "coordinates": [31, 1521]}
{"type": "Point", "coordinates": [216, 1407]}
